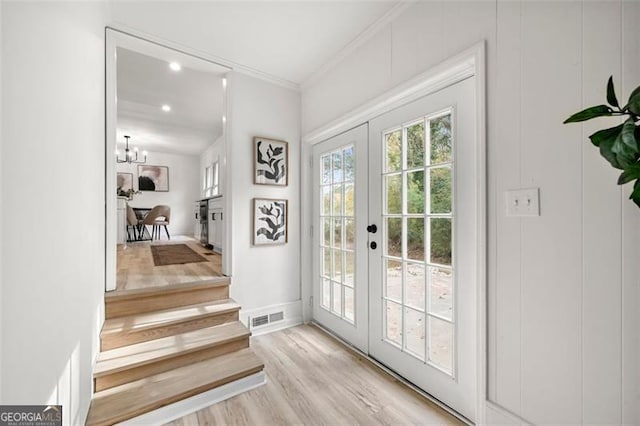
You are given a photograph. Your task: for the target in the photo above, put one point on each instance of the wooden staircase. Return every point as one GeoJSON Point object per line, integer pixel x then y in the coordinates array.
{"type": "Point", "coordinates": [163, 345]}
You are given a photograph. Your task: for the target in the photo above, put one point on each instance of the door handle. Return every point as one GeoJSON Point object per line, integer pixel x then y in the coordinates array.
{"type": "Point", "coordinates": [372, 228]}
{"type": "Point", "coordinates": [213, 216]}
{"type": "Point", "coordinates": [373, 245]}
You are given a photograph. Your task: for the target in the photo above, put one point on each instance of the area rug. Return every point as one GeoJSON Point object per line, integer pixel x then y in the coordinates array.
{"type": "Point", "coordinates": [174, 254]}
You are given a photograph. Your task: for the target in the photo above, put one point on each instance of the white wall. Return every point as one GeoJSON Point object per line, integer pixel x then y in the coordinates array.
{"type": "Point", "coordinates": [52, 169]}
{"type": "Point", "coordinates": [563, 288]}
{"type": "Point", "coordinates": [270, 275]}
{"type": "Point", "coordinates": [184, 187]}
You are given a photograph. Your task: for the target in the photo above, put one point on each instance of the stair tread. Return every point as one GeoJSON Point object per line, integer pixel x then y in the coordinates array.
{"type": "Point", "coordinates": [167, 289]}
{"type": "Point", "coordinates": [132, 399]}
{"type": "Point", "coordinates": [158, 318]}
{"type": "Point", "coordinates": [126, 357]}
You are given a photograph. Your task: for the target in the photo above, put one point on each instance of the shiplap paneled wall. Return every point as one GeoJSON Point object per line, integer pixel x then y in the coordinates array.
{"type": "Point", "coordinates": [563, 287]}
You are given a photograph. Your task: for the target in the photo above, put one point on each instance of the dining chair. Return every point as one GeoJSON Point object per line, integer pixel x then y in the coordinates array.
{"type": "Point", "coordinates": [158, 216]}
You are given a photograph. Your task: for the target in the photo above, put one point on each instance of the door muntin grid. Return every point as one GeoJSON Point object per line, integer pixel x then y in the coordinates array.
{"type": "Point", "coordinates": [337, 242]}
{"type": "Point", "coordinates": [418, 223]}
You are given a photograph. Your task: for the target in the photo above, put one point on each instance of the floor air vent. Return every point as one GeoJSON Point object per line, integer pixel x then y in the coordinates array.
{"type": "Point", "coordinates": [278, 316]}
{"type": "Point", "coordinates": [258, 321]}
{"type": "Point", "coordinates": [262, 320]}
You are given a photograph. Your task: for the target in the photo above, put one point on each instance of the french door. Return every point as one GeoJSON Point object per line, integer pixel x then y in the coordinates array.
{"type": "Point", "coordinates": [340, 267]}
{"type": "Point", "coordinates": [396, 209]}
{"type": "Point", "coordinates": [422, 186]}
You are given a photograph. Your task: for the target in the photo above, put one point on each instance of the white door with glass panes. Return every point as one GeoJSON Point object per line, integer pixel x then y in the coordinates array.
{"type": "Point", "coordinates": [340, 300]}
{"type": "Point", "coordinates": [423, 273]}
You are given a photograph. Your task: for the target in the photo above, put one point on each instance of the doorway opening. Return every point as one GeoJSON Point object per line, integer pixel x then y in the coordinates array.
{"type": "Point", "coordinates": [166, 120]}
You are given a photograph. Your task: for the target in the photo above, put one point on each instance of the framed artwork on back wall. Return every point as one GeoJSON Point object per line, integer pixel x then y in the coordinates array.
{"type": "Point", "coordinates": [270, 162]}
{"type": "Point", "coordinates": [153, 178]}
{"type": "Point", "coordinates": [270, 221]}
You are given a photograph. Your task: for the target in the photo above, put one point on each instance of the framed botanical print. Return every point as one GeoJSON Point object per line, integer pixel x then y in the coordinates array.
{"type": "Point", "coordinates": [270, 221]}
{"type": "Point", "coordinates": [153, 178]}
{"type": "Point", "coordinates": [271, 162]}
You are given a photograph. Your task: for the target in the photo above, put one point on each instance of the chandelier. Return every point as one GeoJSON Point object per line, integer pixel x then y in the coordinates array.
{"type": "Point", "coordinates": [131, 155]}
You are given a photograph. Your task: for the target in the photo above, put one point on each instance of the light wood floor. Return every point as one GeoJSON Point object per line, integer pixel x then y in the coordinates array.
{"type": "Point", "coordinates": [135, 268]}
{"type": "Point", "coordinates": [312, 380]}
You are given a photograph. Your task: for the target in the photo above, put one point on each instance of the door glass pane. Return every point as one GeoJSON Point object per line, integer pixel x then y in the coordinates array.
{"type": "Point", "coordinates": [441, 344]}
{"type": "Point", "coordinates": [326, 293]}
{"type": "Point", "coordinates": [326, 261]}
{"type": "Point", "coordinates": [441, 292]}
{"type": "Point", "coordinates": [394, 236]}
{"type": "Point", "coordinates": [394, 322]}
{"type": "Point", "coordinates": [337, 233]}
{"type": "Point", "coordinates": [337, 200]}
{"type": "Point", "coordinates": [440, 135]}
{"type": "Point", "coordinates": [350, 234]}
{"type": "Point", "coordinates": [393, 194]}
{"type": "Point", "coordinates": [337, 298]}
{"type": "Point", "coordinates": [441, 241]}
{"type": "Point", "coordinates": [393, 151]}
{"type": "Point", "coordinates": [440, 190]}
{"type": "Point", "coordinates": [348, 304]}
{"type": "Point", "coordinates": [337, 167]}
{"type": "Point", "coordinates": [337, 265]}
{"type": "Point", "coordinates": [415, 192]}
{"type": "Point", "coordinates": [415, 145]}
{"type": "Point", "coordinates": [326, 170]}
{"type": "Point", "coordinates": [415, 295]}
{"type": "Point", "coordinates": [349, 199]}
{"type": "Point", "coordinates": [349, 167]}
{"type": "Point", "coordinates": [414, 324]}
{"type": "Point", "coordinates": [326, 232]}
{"type": "Point", "coordinates": [349, 268]}
{"type": "Point", "coordinates": [415, 238]}
{"type": "Point", "coordinates": [326, 200]}
{"type": "Point", "coordinates": [393, 280]}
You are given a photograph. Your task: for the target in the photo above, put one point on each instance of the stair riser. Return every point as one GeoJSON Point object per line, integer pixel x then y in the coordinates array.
{"type": "Point", "coordinates": [131, 374]}
{"type": "Point", "coordinates": [123, 416]}
{"type": "Point", "coordinates": [125, 338]}
{"type": "Point", "coordinates": [159, 301]}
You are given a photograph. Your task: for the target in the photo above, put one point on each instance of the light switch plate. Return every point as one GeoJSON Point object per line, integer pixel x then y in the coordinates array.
{"type": "Point", "coordinates": [523, 202]}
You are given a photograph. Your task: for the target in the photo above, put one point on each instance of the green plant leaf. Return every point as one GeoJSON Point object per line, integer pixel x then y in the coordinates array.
{"type": "Point", "coordinates": [605, 134]}
{"type": "Point", "coordinates": [612, 158]}
{"type": "Point", "coordinates": [628, 134]}
{"type": "Point", "coordinates": [589, 113]}
{"type": "Point", "coordinates": [634, 101]}
{"type": "Point", "coordinates": [630, 173]}
{"type": "Point", "coordinates": [635, 195]}
{"type": "Point", "coordinates": [611, 94]}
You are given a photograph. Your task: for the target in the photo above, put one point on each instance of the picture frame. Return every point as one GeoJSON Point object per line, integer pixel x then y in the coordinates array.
{"type": "Point", "coordinates": [270, 221]}
{"type": "Point", "coordinates": [270, 162]}
{"type": "Point", "coordinates": [153, 178]}
{"type": "Point", "coordinates": [124, 183]}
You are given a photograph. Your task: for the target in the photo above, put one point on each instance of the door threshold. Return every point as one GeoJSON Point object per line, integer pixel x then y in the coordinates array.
{"type": "Point", "coordinates": [393, 374]}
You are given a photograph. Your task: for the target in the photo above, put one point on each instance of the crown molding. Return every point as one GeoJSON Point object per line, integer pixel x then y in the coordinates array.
{"type": "Point", "coordinates": [360, 39]}
{"type": "Point", "coordinates": [206, 56]}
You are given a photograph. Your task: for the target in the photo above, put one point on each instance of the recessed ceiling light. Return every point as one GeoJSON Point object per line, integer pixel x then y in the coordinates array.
{"type": "Point", "coordinates": [166, 108]}
{"type": "Point", "coordinates": [175, 66]}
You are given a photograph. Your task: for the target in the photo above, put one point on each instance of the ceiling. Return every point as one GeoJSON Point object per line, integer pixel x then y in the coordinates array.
{"type": "Point", "coordinates": [145, 83]}
{"type": "Point", "coordinates": [289, 40]}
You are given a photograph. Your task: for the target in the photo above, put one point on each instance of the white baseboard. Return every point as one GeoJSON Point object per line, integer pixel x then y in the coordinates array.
{"type": "Point", "coordinates": [292, 312]}
{"type": "Point", "coordinates": [497, 415]}
{"type": "Point", "coordinates": [197, 402]}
